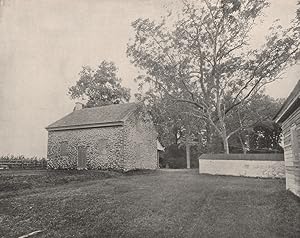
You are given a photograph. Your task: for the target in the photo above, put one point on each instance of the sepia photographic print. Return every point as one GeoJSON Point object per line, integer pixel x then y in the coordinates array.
{"type": "Point", "coordinates": [150, 118]}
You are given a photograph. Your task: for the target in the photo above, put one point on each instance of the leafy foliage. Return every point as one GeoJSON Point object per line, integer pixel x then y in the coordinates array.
{"type": "Point", "coordinates": [201, 57]}
{"type": "Point", "coordinates": [266, 136]}
{"type": "Point", "coordinates": [172, 120]}
{"type": "Point", "coordinates": [100, 87]}
{"type": "Point", "coordinates": [260, 110]}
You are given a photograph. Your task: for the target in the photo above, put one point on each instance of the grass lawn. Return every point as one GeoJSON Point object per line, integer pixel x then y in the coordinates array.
{"type": "Point", "coordinates": [178, 203]}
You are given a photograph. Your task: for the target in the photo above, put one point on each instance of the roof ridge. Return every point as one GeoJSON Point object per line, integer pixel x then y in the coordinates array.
{"type": "Point", "coordinates": [109, 105]}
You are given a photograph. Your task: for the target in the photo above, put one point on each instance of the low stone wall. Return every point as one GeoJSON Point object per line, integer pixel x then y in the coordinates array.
{"type": "Point", "coordinates": [251, 165]}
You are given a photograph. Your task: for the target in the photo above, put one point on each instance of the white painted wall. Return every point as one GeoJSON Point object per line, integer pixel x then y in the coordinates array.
{"type": "Point", "coordinates": [248, 168]}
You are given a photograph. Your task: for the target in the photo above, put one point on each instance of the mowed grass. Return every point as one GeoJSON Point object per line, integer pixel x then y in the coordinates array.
{"type": "Point", "coordinates": [175, 203]}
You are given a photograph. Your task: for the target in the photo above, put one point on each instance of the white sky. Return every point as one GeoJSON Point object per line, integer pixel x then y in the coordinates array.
{"type": "Point", "coordinates": [44, 43]}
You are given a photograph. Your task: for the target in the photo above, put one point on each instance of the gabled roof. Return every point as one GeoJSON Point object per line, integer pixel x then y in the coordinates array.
{"type": "Point", "coordinates": [290, 105]}
{"type": "Point", "coordinates": [111, 115]}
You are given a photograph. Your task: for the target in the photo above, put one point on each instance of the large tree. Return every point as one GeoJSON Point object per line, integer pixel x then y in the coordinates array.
{"type": "Point", "coordinates": [202, 57]}
{"type": "Point", "coordinates": [172, 121]}
{"type": "Point", "coordinates": [99, 87]}
{"type": "Point", "coordinates": [259, 111]}
{"type": "Point", "coordinates": [165, 116]}
{"type": "Point", "coordinates": [266, 136]}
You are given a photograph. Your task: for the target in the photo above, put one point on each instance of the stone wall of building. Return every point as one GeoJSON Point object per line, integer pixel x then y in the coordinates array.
{"type": "Point", "coordinates": [128, 147]}
{"type": "Point", "coordinates": [104, 148]}
{"type": "Point", "coordinates": [141, 152]}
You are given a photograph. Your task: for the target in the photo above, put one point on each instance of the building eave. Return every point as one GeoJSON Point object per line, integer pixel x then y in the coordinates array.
{"type": "Point", "coordinates": [86, 126]}
{"type": "Point", "coordinates": [283, 114]}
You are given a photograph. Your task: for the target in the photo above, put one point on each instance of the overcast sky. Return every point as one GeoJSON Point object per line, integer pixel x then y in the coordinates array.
{"type": "Point", "coordinates": [44, 43]}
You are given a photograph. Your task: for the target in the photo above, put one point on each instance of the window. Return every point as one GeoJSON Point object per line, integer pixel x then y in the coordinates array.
{"type": "Point", "coordinates": [64, 148]}
{"type": "Point", "coordinates": [81, 162]}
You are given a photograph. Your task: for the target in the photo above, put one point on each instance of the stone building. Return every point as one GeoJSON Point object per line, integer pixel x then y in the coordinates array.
{"type": "Point", "coordinates": [120, 137]}
{"type": "Point", "coordinates": [289, 118]}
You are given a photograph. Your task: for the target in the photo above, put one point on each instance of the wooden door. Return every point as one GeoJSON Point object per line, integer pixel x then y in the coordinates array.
{"type": "Point", "coordinates": [81, 160]}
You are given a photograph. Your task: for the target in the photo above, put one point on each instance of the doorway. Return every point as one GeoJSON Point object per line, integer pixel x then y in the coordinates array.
{"type": "Point", "coordinates": [81, 160]}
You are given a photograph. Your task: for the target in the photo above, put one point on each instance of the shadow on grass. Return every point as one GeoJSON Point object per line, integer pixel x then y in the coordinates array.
{"type": "Point", "coordinates": [15, 181]}
{"type": "Point", "coordinates": [20, 179]}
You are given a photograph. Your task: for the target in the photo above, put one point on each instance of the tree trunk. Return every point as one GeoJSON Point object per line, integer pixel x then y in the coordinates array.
{"type": "Point", "coordinates": [225, 144]}
{"type": "Point", "coordinates": [188, 157]}
{"type": "Point", "coordinates": [243, 145]}
{"type": "Point", "coordinates": [208, 138]}
{"type": "Point", "coordinates": [176, 139]}
{"type": "Point", "coordinates": [224, 137]}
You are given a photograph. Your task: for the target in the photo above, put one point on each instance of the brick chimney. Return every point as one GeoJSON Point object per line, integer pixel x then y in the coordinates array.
{"type": "Point", "coordinates": [78, 106]}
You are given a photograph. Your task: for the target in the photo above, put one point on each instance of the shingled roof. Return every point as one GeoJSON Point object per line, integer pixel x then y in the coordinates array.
{"type": "Point", "coordinates": [111, 115]}
{"type": "Point", "coordinates": [290, 104]}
